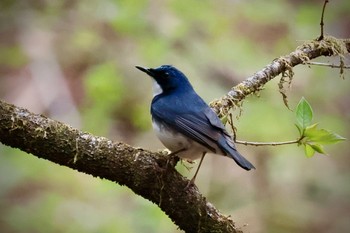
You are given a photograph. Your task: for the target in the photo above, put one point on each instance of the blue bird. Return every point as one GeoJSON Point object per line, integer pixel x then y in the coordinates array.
{"type": "Point", "coordinates": [184, 123]}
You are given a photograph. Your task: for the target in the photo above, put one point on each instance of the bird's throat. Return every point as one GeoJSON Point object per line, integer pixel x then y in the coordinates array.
{"type": "Point", "coordinates": [157, 89]}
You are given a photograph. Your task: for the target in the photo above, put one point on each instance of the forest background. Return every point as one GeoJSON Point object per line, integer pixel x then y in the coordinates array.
{"type": "Point", "coordinates": [74, 62]}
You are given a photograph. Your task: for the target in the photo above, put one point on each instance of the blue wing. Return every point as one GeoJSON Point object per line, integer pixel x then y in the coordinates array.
{"type": "Point", "coordinates": [198, 122]}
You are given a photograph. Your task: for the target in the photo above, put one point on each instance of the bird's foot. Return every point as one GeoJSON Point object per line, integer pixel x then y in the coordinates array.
{"type": "Point", "coordinates": [172, 159]}
{"type": "Point", "coordinates": [196, 173]}
{"type": "Point", "coordinates": [190, 183]}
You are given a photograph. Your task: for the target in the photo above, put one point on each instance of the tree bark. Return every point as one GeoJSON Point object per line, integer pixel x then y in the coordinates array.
{"type": "Point", "coordinates": [149, 174]}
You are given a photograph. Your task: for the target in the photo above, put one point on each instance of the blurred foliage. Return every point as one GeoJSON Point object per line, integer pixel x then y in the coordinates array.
{"type": "Point", "coordinates": [92, 48]}
{"type": "Point", "coordinates": [12, 56]}
{"type": "Point", "coordinates": [104, 91]}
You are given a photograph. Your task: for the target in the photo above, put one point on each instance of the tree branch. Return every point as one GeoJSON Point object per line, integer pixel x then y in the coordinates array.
{"type": "Point", "coordinates": [148, 174]}
{"type": "Point", "coordinates": [329, 46]}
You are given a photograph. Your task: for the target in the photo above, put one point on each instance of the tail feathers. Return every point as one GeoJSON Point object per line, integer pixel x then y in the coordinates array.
{"type": "Point", "coordinates": [227, 146]}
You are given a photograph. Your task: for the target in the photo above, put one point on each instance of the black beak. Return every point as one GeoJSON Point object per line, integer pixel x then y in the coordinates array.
{"type": "Point", "coordinates": [146, 70]}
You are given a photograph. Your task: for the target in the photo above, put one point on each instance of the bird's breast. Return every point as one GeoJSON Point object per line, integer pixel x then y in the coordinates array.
{"type": "Point", "coordinates": [175, 141]}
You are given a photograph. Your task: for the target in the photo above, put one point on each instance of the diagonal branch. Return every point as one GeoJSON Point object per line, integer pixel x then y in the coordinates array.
{"type": "Point", "coordinates": [148, 174]}
{"type": "Point", "coordinates": [329, 46]}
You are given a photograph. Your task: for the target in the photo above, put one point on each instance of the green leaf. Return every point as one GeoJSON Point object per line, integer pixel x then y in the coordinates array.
{"type": "Point", "coordinates": [303, 114]}
{"type": "Point", "coordinates": [318, 148]}
{"type": "Point", "coordinates": [321, 136]}
{"type": "Point", "coordinates": [309, 151]}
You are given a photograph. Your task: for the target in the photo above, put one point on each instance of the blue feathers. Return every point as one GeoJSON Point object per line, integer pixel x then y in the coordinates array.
{"type": "Point", "coordinates": [182, 120]}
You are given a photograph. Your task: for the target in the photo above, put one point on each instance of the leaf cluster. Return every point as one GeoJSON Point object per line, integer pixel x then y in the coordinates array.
{"type": "Point", "coordinates": [311, 137]}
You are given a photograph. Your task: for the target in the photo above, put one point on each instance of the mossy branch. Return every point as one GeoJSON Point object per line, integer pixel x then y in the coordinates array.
{"type": "Point", "coordinates": [329, 46]}
{"type": "Point", "coordinates": [148, 174]}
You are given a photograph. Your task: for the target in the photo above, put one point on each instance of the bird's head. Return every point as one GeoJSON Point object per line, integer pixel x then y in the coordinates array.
{"type": "Point", "coordinates": [168, 78]}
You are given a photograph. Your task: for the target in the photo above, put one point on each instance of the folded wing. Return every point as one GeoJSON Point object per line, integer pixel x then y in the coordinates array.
{"type": "Point", "coordinates": [202, 125]}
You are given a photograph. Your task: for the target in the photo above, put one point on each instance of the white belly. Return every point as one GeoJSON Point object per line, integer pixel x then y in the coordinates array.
{"type": "Point", "coordinates": [176, 141]}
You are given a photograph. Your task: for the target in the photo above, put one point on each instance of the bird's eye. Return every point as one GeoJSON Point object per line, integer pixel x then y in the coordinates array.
{"type": "Point", "coordinates": [166, 74]}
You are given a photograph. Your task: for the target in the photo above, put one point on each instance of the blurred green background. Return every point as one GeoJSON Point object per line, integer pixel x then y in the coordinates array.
{"type": "Point", "coordinates": [74, 62]}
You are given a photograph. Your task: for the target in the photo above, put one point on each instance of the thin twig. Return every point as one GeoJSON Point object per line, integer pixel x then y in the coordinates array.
{"type": "Point", "coordinates": [234, 130]}
{"type": "Point", "coordinates": [322, 23]}
{"type": "Point", "coordinates": [326, 64]}
{"type": "Point", "coordinates": [267, 143]}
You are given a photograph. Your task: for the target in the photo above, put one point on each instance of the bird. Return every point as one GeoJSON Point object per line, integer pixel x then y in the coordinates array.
{"type": "Point", "coordinates": [184, 122]}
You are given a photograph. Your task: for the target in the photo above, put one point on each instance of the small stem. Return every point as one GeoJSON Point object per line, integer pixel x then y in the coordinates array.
{"type": "Point", "coordinates": [327, 64]}
{"type": "Point", "coordinates": [267, 143]}
{"type": "Point", "coordinates": [232, 127]}
{"type": "Point", "coordinates": [321, 23]}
